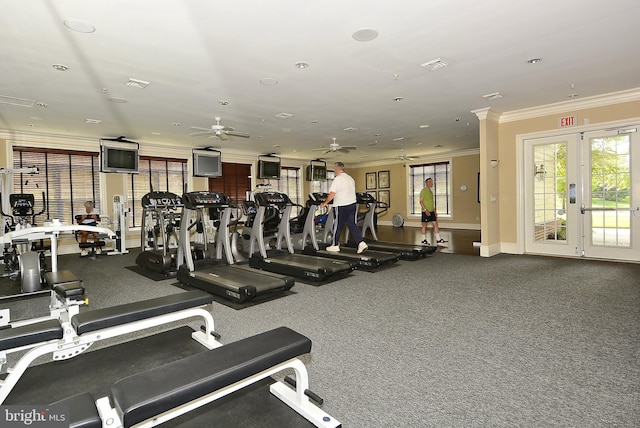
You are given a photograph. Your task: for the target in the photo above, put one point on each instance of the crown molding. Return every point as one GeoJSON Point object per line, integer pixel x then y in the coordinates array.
{"type": "Point", "coordinates": [573, 105]}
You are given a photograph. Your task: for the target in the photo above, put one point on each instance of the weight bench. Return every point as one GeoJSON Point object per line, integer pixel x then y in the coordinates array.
{"type": "Point", "coordinates": [65, 338]}
{"type": "Point", "coordinates": [160, 394]}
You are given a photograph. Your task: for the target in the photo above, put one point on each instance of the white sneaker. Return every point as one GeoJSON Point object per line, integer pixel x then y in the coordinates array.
{"type": "Point", "coordinates": [98, 250]}
{"type": "Point", "coordinates": [83, 253]}
{"type": "Point", "coordinates": [333, 248]}
{"type": "Point", "coordinates": [362, 247]}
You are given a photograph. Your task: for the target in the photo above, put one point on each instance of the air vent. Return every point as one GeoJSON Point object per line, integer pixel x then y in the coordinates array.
{"type": "Point", "coordinates": [398, 139]}
{"type": "Point", "coordinates": [350, 129]}
{"type": "Point", "coordinates": [492, 96]}
{"type": "Point", "coordinates": [434, 65]}
{"type": "Point", "coordinates": [137, 83]}
{"type": "Point", "coordinates": [284, 115]}
{"type": "Point", "coordinates": [22, 102]}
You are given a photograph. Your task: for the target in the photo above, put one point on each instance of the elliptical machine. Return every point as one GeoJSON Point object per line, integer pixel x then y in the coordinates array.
{"type": "Point", "coordinates": [23, 259]}
{"type": "Point", "coordinates": [159, 234]}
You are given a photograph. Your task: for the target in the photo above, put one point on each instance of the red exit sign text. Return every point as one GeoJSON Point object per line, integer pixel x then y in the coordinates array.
{"type": "Point", "coordinates": [563, 122]}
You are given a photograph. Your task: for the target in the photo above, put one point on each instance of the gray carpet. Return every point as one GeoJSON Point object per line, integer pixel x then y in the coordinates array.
{"type": "Point", "coordinates": [451, 340]}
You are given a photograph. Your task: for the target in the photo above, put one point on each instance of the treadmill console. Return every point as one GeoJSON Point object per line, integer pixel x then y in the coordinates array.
{"type": "Point", "coordinates": [167, 200]}
{"type": "Point", "coordinates": [266, 199]}
{"type": "Point", "coordinates": [364, 198]}
{"type": "Point", "coordinates": [195, 200]}
{"type": "Point", "coordinates": [316, 198]}
{"type": "Point", "coordinates": [22, 204]}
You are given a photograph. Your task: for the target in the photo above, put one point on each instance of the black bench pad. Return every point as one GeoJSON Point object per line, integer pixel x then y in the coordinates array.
{"type": "Point", "coordinates": [65, 283]}
{"type": "Point", "coordinates": [163, 388]}
{"type": "Point", "coordinates": [91, 244]}
{"type": "Point", "coordinates": [82, 411]}
{"type": "Point", "coordinates": [29, 334]}
{"type": "Point", "coordinates": [131, 312]}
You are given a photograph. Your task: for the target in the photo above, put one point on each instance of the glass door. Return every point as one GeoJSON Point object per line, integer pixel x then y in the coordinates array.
{"type": "Point", "coordinates": [609, 210]}
{"type": "Point", "coordinates": [551, 204]}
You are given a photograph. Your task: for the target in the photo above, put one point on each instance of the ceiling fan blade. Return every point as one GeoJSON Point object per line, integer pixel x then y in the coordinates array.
{"type": "Point", "coordinates": [237, 134]}
{"type": "Point", "coordinates": [195, 134]}
{"type": "Point", "coordinates": [222, 136]}
{"type": "Point", "coordinates": [349, 147]}
{"type": "Point", "coordinates": [201, 129]}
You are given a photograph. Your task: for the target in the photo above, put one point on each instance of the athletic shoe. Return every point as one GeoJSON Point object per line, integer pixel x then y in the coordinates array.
{"type": "Point", "coordinates": [425, 242]}
{"type": "Point", "coordinates": [441, 242]}
{"type": "Point", "coordinates": [362, 247]}
{"type": "Point", "coordinates": [98, 250]}
{"type": "Point", "coordinates": [333, 248]}
{"type": "Point", "coordinates": [83, 253]}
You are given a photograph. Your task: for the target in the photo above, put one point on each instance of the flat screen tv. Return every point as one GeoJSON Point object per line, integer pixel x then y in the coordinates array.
{"type": "Point", "coordinates": [316, 172]}
{"type": "Point", "coordinates": [119, 157]}
{"type": "Point", "coordinates": [269, 168]}
{"type": "Point", "coordinates": [207, 163]}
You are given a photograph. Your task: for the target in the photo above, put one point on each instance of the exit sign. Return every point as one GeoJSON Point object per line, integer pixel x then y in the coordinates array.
{"type": "Point", "coordinates": [563, 122]}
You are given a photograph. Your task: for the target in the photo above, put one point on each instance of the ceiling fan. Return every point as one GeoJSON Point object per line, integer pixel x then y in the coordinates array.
{"type": "Point", "coordinates": [402, 156]}
{"type": "Point", "coordinates": [335, 147]}
{"type": "Point", "coordinates": [219, 131]}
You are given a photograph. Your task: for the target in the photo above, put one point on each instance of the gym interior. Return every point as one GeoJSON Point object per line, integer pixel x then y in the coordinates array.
{"type": "Point", "coordinates": [185, 282]}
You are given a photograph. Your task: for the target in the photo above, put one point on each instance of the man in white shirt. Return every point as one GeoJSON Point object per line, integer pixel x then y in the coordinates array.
{"type": "Point", "coordinates": [343, 194]}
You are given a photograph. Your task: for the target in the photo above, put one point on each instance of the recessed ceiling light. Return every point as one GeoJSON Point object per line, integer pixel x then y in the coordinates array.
{"type": "Point", "coordinates": [60, 67]}
{"type": "Point", "coordinates": [223, 102]}
{"type": "Point", "coordinates": [302, 64]}
{"type": "Point", "coordinates": [93, 121]}
{"type": "Point", "coordinates": [284, 115]}
{"type": "Point", "coordinates": [424, 126]}
{"type": "Point", "coordinates": [79, 26]}
{"type": "Point", "coordinates": [534, 60]}
{"type": "Point", "coordinates": [365, 34]}
{"type": "Point", "coordinates": [176, 124]}
{"type": "Point", "coordinates": [268, 81]}
{"type": "Point", "coordinates": [397, 99]}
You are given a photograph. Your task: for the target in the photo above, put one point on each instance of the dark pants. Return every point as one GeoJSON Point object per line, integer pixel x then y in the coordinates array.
{"type": "Point", "coordinates": [346, 215]}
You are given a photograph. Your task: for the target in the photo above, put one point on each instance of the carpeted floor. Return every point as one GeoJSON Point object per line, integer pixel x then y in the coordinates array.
{"type": "Point", "coordinates": [451, 340]}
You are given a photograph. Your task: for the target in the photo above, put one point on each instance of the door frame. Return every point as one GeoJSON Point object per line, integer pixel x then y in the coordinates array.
{"type": "Point", "coordinates": [520, 247]}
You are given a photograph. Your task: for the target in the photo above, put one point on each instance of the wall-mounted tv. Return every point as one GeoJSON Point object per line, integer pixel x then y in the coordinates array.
{"type": "Point", "coordinates": [207, 163]}
{"type": "Point", "coordinates": [269, 167]}
{"type": "Point", "coordinates": [316, 171]}
{"type": "Point", "coordinates": [119, 157]}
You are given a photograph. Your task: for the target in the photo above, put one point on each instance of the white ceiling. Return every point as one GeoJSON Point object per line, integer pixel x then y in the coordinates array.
{"type": "Point", "coordinates": [199, 54]}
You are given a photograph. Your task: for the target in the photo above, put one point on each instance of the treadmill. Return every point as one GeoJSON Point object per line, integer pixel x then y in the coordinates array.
{"type": "Point", "coordinates": [369, 260]}
{"type": "Point", "coordinates": [219, 274]}
{"type": "Point", "coordinates": [286, 262]}
{"type": "Point", "coordinates": [369, 222]}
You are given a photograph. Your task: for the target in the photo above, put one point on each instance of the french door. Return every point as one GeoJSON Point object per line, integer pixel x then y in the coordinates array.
{"type": "Point", "coordinates": [582, 194]}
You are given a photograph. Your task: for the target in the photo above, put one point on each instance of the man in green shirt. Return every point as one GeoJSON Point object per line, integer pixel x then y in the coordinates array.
{"type": "Point", "coordinates": [429, 213]}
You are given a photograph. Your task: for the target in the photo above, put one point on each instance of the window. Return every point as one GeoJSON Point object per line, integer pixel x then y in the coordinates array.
{"type": "Point", "coordinates": [289, 183]}
{"type": "Point", "coordinates": [440, 172]}
{"type": "Point", "coordinates": [67, 179]}
{"type": "Point", "coordinates": [323, 186]}
{"type": "Point", "coordinates": [161, 174]}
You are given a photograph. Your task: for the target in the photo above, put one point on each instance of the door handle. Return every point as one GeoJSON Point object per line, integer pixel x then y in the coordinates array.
{"type": "Point", "coordinates": [584, 209]}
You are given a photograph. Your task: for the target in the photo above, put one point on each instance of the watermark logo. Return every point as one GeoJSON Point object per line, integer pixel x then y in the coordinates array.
{"type": "Point", "coordinates": [34, 416]}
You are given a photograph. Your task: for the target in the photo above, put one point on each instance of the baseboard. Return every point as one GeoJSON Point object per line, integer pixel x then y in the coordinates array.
{"type": "Point", "coordinates": [443, 225]}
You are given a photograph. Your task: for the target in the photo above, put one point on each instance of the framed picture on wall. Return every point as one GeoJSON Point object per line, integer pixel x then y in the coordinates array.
{"type": "Point", "coordinates": [371, 180]}
{"type": "Point", "coordinates": [383, 179]}
{"type": "Point", "coordinates": [373, 193]}
{"type": "Point", "coordinates": [383, 197]}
